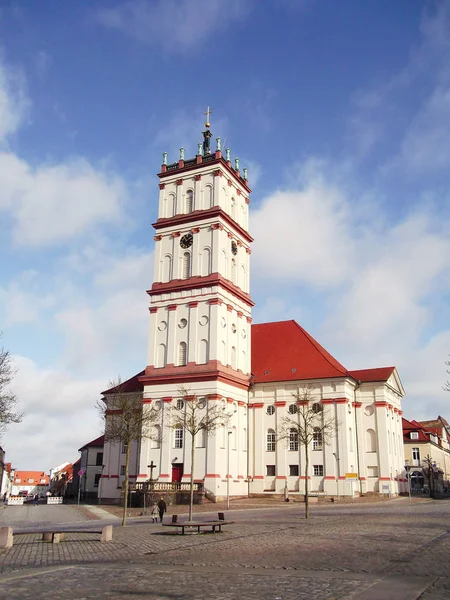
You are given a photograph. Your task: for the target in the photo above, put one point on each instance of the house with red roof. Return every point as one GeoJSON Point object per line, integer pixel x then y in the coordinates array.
{"type": "Point", "coordinates": [201, 339]}
{"type": "Point", "coordinates": [90, 469]}
{"type": "Point", "coordinates": [29, 483]}
{"type": "Point", "coordinates": [427, 452]}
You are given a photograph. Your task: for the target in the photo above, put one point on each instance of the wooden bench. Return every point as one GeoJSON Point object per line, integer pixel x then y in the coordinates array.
{"type": "Point", "coordinates": [55, 536]}
{"type": "Point", "coordinates": [213, 525]}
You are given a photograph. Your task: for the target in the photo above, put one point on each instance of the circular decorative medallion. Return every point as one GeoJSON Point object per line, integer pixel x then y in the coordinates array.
{"type": "Point", "coordinates": [244, 334]}
{"type": "Point", "coordinates": [203, 320]}
{"type": "Point", "coordinates": [186, 240]}
{"type": "Point", "coordinates": [234, 248]}
{"type": "Point", "coordinates": [158, 405]}
{"type": "Point", "coordinates": [223, 322]}
{"type": "Point", "coordinates": [233, 328]}
{"type": "Point", "coordinates": [369, 410]}
{"type": "Point", "coordinates": [182, 324]}
{"type": "Point", "coordinates": [162, 326]}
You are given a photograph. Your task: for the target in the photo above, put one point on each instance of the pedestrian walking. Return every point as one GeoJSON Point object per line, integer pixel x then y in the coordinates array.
{"type": "Point", "coordinates": [162, 508]}
{"type": "Point", "coordinates": [155, 512]}
{"type": "Point", "coordinates": [36, 499]}
{"type": "Point", "coordinates": [4, 497]}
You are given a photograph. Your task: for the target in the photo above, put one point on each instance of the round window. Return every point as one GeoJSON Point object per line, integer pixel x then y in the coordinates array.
{"type": "Point", "coordinates": [182, 324]}
{"type": "Point", "coordinates": [180, 404]}
{"type": "Point", "coordinates": [223, 322]}
{"type": "Point", "coordinates": [157, 405]}
{"type": "Point", "coordinates": [162, 326]}
{"type": "Point", "coordinates": [369, 410]}
{"type": "Point", "coordinates": [270, 409]}
{"type": "Point", "coordinates": [293, 409]}
{"type": "Point", "coordinates": [201, 403]}
{"type": "Point", "coordinates": [317, 407]}
{"type": "Point", "coordinates": [203, 320]}
{"type": "Point", "coordinates": [233, 328]}
{"type": "Point", "coordinates": [244, 334]}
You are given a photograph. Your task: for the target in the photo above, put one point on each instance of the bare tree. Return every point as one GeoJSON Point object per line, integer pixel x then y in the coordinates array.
{"type": "Point", "coordinates": [306, 425]}
{"type": "Point", "coordinates": [431, 472]}
{"type": "Point", "coordinates": [8, 400]}
{"type": "Point", "coordinates": [126, 421]}
{"type": "Point", "coordinates": [447, 385]}
{"type": "Point", "coordinates": [195, 416]}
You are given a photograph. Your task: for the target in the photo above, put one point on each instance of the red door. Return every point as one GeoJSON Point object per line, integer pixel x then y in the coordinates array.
{"type": "Point", "coordinates": [177, 472]}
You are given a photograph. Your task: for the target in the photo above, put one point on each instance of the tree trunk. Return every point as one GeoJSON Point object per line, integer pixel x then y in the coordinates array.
{"type": "Point", "coordinates": [125, 498]}
{"type": "Point", "coordinates": [191, 499]}
{"type": "Point", "coordinates": [306, 482]}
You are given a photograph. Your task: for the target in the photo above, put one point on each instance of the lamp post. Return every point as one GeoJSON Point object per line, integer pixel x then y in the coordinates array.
{"type": "Point", "coordinates": [408, 477]}
{"type": "Point", "coordinates": [228, 469]}
{"type": "Point", "coordinates": [337, 472]}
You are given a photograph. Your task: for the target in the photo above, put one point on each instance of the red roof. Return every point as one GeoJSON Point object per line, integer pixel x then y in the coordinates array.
{"type": "Point", "coordinates": [22, 477]}
{"type": "Point", "coordinates": [100, 441]}
{"type": "Point", "coordinates": [366, 375]}
{"type": "Point", "coordinates": [284, 351]}
{"type": "Point", "coordinates": [130, 385]}
{"type": "Point", "coordinates": [409, 426]}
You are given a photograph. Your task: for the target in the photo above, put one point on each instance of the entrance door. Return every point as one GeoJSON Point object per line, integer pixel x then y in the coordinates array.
{"type": "Point", "coordinates": [177, 472]}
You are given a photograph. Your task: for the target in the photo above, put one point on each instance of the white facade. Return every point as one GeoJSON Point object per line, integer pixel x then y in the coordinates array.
{"type": "Point", "coordinates": [200, 338]}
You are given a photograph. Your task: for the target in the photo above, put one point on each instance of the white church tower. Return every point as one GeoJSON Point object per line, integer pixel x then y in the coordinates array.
{"type": "Point", "coordinates": [200, 316]}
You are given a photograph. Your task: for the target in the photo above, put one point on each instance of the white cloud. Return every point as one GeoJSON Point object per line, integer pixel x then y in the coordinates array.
{"type": "Point", "coordinates": [177, 25]}
{"type": "Point", "coordinates": [22, 300]}
{"type": "Point", "coordinates": [14, 102]}
{"type": "Point", "coordinates": [52, 203]}
{"type": "Point", "coordinates": [59, 416]}
{"type": "Point", "coordinates": [303, 235]}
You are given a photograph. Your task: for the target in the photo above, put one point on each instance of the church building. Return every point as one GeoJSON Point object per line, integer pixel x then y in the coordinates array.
{"type": "Point", "coordinates": [201, 339]}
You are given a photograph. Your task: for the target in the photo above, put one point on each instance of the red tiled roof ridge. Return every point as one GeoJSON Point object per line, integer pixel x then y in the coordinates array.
{"type": "Point", "coordinates": [128, 385]}
{"type": "Point", "coordinates": [373, 374]}
{"type": "Point", "coordinates": [97, 442]}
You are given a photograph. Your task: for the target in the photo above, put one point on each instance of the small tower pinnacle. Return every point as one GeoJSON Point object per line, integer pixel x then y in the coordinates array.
{"type": "Point", "coordinates": [207, 135]}
{"type": "Point", "coordinates": [207, 113]}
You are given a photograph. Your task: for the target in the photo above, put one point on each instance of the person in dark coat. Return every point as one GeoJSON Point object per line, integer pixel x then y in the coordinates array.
{"type": "Point", "coordinates": [162, 508]}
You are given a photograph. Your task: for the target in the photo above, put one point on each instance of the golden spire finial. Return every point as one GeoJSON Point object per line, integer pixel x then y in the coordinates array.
{"type": "Point", "coordinates": [207, 113]}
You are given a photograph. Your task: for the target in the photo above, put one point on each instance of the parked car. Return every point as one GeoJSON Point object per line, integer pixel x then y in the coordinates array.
{"type": "Point", "coordinates": [23, 493]}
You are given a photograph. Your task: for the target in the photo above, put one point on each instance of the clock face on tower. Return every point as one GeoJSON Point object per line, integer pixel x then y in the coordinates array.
{"type": "Point", "coordinates": [234, 247]}
{"type": "Point", "coordinates": [186, 240]}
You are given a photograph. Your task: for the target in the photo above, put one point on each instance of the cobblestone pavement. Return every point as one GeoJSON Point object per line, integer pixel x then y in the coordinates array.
{"type": "Point", "coordinates": [354, 552]}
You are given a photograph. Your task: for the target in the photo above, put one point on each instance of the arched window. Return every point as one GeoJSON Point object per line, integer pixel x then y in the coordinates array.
{"type": "Point", "coordinates": [317, 439]}
{"type": "Point", "coordinates": [371, 441]}
{"type": "Point", "coordinates": [167, 268]}
{"type": "Point", "coordinates": [206, 261]}
{"type": "Point", "coordinates": [271, 441]}
{"type": "Point", "coordinates": [244, 363]}
{"type": "Point", "coordinates": [233, 271]}
{"type": "Point", "coordinates": [316, 407]}
{"type": "Point", "coordinates": [243, 279]}
{"type": "Point", "coordinates": [203, 352]}
{"type": "Point", "coordinates": [156, 437]}
{"type": "Point", "coordinates": [293, 439]}
{"type": "Point", "coordinates": [350, 439]}
{"type": "Point", "coordinates": [233, 358]}
{"type": "Point", "coordinates": [178, 437]}
{"type": "Point", "coordinates": [208, 196]}
{"type": "Point", "coordinates": [189, 201]}
{"type": "Point", "coordinates": [223, 353]}
{"type": "Point", "coordinates": [182, 354]}
{"type": "Point", "coordinates": [200, 439]}
{"type": "Point", "coordinates": [161, 356]}
{"type": "Point", "coordinates": [186, 265]}
{"type": "Point", "coordinates": [233, 208]}
{"type": "Point", "coordinates": [169, 203]}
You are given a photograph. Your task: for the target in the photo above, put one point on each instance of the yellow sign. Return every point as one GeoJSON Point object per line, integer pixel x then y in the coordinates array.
{"type": "Point", "coordinates": [351, 476]}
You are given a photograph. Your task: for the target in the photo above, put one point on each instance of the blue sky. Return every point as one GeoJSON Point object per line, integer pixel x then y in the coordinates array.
{"type": "Point", "coordinates": [340, 110]}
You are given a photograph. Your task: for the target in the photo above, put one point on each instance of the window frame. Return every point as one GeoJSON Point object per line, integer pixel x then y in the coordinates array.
{"type": "Point", "coordinates": [178, 438]}
{"type": "Point", "coordinates": [271, 441]}
{"type": "Point", "coordinates": [318, 470]}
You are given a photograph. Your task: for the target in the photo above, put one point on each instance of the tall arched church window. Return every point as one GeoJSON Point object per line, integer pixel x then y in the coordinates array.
{"type": "Point", "coordinates": [161, 356]}
{"type": "Point", "coordinates": [156, 437]}
{"type": "Point", "coordinates": [270, 440]}
{"type": "Point", "coordinates": [203, 352]}
{"type": "Point", "coordinates": [233, 358]}
{"type": "Point", "coordinates": [167, 268]}
{"type": "Point", "coordinates": [182, 354]}
{"type": "Point", "coordinates": [317, 439]}
{"type": "Point", "coordinates": [206, 261]}
{"type": "Point", "coordinates": [293, 439]}
{"type": "Point", "coordinates": [208, 196]}
{"type": "Point", "coordinates": [371, 441]}
{"type": "Point", "coordinates": [233, 208]}
{"type": "Point", "coordinates": [233, 271]}
{"type": "Point", "coordinates": [169, 202]}
{"type": "Point", "coordinates": [243, 278]}
{"type": "Point", "coordinates": [186, 265]}
{"type": "Point", "coordinates": [189, 201]}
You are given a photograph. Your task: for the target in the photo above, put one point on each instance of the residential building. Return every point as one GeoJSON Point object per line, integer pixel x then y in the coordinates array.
{"type": "Point", "coordinates": [60, 479]}
{"type": "Point", "coordinates": [427, 443]}
{"type": "Point", "coordinates": [30, 483]}
{"type": "Point", "coordinates": [91, 466]}
{"type": "Point", "coordinates": [201, 337]}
